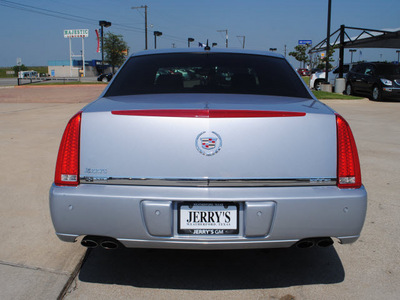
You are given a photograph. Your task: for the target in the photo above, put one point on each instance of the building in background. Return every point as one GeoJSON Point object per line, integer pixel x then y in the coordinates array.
{"type": "Point", "coordinates": [62, 68]}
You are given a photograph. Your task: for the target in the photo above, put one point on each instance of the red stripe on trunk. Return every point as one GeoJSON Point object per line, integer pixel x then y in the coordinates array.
{"type": "Point", "coordinates": [208, 113]}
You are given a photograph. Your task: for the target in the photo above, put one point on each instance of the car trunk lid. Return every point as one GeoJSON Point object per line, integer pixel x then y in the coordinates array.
{"type": "Point", "coordinates": [207, 137]}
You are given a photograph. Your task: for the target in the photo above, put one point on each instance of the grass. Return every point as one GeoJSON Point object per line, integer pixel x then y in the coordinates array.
{"type": "Point", "coordinates": [326, 95]}
{"type": "Point", "coordinates": [3, 73]}
{"type": "Point", "coordinates": [306, 80]}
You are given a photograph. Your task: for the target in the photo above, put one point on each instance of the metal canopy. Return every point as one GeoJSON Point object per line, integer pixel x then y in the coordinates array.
{"type": "Point", "coordinates": [366, 38]}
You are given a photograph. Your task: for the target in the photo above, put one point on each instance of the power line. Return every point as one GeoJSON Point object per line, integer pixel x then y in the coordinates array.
{"type": "Point", "coordinates": [77, 18]}
{"type": "Point", "coordinates": [61, 15]}
{"type": "Point", "coordinates": [43, 11]}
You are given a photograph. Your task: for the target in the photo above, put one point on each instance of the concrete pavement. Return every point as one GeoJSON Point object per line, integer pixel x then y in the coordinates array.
{"type": "Point", "coordinates": [35, 264]}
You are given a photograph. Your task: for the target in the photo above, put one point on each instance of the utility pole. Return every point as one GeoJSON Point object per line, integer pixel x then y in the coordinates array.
{"type": "Point", "coordinates": [145, 23]}
{"type": "Point", "coordinates": [242, 36]}
{"type": "Point", "coordinates": [226, 36]}
{"type": "Point", "coordinates": [285, 51]}
{"type": "Point", "coordinates": [398, 55]}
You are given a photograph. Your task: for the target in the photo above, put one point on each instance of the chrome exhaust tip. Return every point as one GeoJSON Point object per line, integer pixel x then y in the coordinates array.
{"type": "Point", "coordinates": [88, 242]}
{"type": "Point", "coordinates": [109, 245]}
{"type": "Point", "coordinates": [325, 242]}
{"type": "Point", "coordinates": [304, 244]}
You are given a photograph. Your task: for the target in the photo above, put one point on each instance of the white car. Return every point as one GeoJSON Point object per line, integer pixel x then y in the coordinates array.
{"type": "Point", "coordinates": [318, 78]}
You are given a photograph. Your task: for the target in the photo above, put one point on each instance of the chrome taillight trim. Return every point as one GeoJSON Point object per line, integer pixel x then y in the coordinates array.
{"type": "Point", "coordinates": [210, 182]}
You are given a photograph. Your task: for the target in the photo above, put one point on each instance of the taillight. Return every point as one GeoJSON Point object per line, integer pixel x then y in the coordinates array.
{"type": "Point", "coordinates": [348, 168]}
{"type": "Point", "coordinates": [67, 167]}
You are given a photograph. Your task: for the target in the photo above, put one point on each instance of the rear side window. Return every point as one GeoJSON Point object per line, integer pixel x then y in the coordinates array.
{"type": "Point", "coordinates": [358, 68]}
{"type": "Point", "coordinates": [207, 73]}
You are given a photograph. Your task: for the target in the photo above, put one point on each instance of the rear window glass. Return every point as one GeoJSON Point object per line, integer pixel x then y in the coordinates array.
{"type": "Point", "coordinates": [207, 73]}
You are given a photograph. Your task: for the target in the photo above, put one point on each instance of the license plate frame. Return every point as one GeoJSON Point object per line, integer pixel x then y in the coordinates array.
{"type": "Point", "coordinates": [212, 212]}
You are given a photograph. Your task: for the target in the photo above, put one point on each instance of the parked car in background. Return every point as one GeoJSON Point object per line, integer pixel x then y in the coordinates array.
{"type": "Point", "coordinates": [318, 78]}
{"type": "Point", "coordinates": [315, 70]}
{"type": "Point", "coordinates": [28, 74]}
{"type": "Point", "coordinates": [377, 80]}
{"type": "Point", "coordinates": [303, 72]}
{"type": "Point", "coordinates": [226, 158]}
{"type": "Point", "coordinates": [105, 77]}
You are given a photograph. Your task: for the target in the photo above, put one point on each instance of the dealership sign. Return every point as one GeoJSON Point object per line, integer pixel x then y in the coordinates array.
{"type": "Point", "coordinates": [76, 33]}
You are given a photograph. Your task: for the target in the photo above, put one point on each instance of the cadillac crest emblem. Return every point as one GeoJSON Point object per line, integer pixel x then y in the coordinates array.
{"type": "Point", "coordinates": [208, 143]}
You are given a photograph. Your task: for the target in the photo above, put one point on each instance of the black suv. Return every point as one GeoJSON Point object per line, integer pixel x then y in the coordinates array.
{"type": "Point", "coordinates": [376, 80]}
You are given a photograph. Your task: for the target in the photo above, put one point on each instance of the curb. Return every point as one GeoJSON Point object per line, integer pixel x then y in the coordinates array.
{"type": "Point", "coordinates": [73, 275]}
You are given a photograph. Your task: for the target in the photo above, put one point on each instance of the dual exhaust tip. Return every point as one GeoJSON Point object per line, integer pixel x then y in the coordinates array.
{"type": "Point", "coordinates": [323, 242]}
{"type": "Point", "coordinates": [91, 241]}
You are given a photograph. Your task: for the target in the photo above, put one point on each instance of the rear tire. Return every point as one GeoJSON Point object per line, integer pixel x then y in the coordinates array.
{"type": "Point", "coordinates": [376, 94]}
{"type": "Point", "coordinates": [317, 85]}
{"type": "Point", "coordinates": [349, 89]}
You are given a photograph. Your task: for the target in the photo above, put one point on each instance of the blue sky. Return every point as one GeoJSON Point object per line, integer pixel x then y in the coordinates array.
{"type": "Point", "coordinates": [38, 38]}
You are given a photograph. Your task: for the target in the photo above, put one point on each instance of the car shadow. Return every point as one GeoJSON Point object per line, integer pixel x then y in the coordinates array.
{"type": "Point", "coordinates": [212, 270]}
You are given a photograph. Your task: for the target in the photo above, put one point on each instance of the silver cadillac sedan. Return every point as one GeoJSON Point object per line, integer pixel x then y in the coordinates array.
{"type": "Point", "coordinates": [207, 149]}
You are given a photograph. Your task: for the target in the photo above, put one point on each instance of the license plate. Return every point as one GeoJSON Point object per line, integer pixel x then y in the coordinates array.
{"type": "Point", "coordinates": [208, 218]}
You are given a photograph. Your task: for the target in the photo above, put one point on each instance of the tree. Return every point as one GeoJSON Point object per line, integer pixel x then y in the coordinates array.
{"type": "Point", "coordinates": [300, 54]}
{"type": "Point", "coordinates": [19, 68]}
{"type": "Point", "coordinates": [329, 57]}
{"type": "Point", "coordinates": [115, 48]}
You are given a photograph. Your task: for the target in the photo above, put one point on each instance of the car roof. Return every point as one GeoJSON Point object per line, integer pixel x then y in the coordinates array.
{"type": "Point", "coordinates": [202, 50]}
{"type": "Point", "coordinates": [376, 63]}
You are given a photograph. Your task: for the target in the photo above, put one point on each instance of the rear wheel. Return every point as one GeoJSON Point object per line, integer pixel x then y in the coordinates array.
{"type": "Point", "coordinates": [349, 89]}
{"type": "Point", "coordinates": [317, 84]}
{"type": "Point", "coordinates": [376, 94]}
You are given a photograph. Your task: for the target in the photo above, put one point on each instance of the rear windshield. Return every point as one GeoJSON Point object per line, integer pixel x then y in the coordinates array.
{"type": "Point", "coordinates": [207, 73]}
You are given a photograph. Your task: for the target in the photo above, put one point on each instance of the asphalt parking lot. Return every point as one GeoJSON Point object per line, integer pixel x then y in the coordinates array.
{"type": "Point", "coordinates": [35, 264]}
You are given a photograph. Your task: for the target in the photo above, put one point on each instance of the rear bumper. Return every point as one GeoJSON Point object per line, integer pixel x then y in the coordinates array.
{"type": "Point", "coordinates": [147, 216]}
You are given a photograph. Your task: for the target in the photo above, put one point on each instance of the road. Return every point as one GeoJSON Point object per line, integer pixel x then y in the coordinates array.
{"type": "Point", "coordinates": [8, 81]}
{"type": "Point", "coordinates": [35, 264]}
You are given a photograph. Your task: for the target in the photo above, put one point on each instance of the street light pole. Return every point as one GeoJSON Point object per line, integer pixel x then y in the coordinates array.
{"type": "Point", "coordinates": [226, 36]}
{"type": "Point", "coordinates": [352, 51]}
{"type": "Point", "coordinates": [244, 38]}
{"type": "Point", "coordinates": [398, 55]}
{"type": "Point", "coordinates": [156, 34]}
{"type": "Point", "coordinates": [189, 41]}
{"type": "Point", "coordinates": [328, 36]}
{"type": "Point", "coordinates": [103, 24]}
